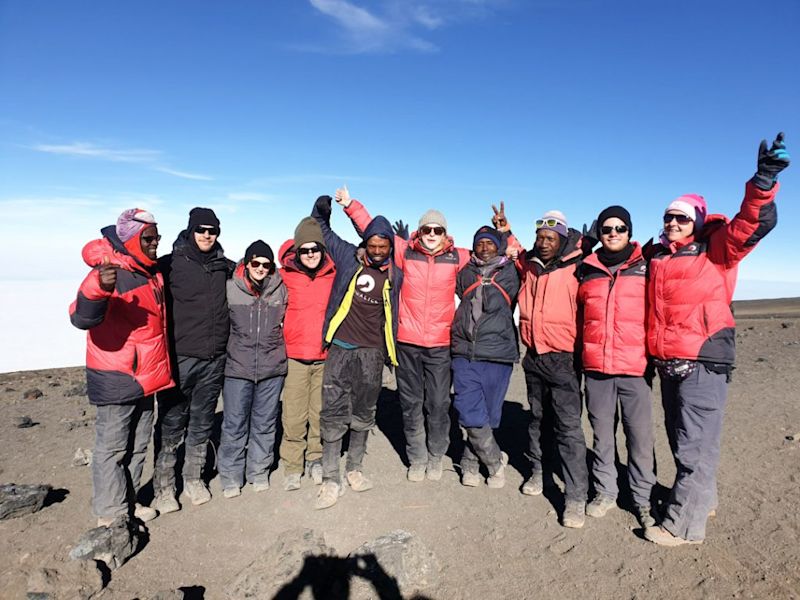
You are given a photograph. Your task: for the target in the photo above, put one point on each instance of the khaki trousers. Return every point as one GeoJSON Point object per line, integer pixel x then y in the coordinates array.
{"type": "Point", "coordinates": [302, 400]}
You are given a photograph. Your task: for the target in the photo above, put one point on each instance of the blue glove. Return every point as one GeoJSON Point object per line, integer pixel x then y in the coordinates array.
{"type": "Point", "coordinates": [400, 229]}
{"type": "Point", "coordinates": [770, 163]}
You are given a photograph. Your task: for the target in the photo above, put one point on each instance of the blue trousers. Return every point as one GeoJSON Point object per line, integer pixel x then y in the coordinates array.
{"type": "Point", "coordinates": [249, 422]}
{"type": "Point", "coordinates": [480, 389]}
{"type": "Point", "coordinates": [693, 412]}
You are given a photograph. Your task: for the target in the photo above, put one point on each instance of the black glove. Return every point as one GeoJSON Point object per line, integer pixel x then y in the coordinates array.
{"type": "Point", "coordinates": [770, 163]}
{"type": "Point", "coordinates": [323, 208]}
{"type": "Point", "coordinates": [400, 229]}
{"type": "Point", "coordinates": [590, 237]}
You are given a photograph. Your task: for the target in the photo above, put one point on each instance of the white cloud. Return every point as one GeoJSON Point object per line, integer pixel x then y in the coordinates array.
{"type": "Point", "coordinates": [391, 25]}
{"type": "Point", "coordinates": [152, 159]}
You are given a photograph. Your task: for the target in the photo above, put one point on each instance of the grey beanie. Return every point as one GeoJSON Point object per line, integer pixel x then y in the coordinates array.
{"type": "Point", "coordinates": [432, 216]}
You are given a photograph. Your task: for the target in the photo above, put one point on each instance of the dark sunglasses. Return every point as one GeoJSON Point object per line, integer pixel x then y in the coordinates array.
{"type": "Point", "coordinates": [308, 251]}
{"type": "Point", "coordinates": [201, 229]}
{"type": "Point", "coordinates": [257, 263]}
{"type": "Point", "coordinates": [606, 229]}
{"type": "Point", "coordinates": [149, 239]}
{"type": "Point", "coordinates": [681, 219]}
{"type": "Point", "coordinates": [426, 229]}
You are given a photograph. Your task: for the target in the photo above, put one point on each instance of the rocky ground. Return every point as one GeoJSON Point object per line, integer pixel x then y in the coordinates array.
{"type": "Point", "coordinates": [484, 543]}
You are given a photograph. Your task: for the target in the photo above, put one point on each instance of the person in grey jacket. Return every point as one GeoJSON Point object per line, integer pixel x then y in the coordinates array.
{"type": "Point", "coordinates": [484, 348]}
{"type": "Point", "coordinates": [255, 369]}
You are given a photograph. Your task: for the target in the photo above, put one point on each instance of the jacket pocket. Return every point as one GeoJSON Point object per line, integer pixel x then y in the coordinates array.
{"type": "Point", "coordinates": [135, 364]}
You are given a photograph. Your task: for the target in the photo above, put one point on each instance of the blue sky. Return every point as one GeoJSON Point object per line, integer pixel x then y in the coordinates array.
{"type": "Point", "coordinates": [254, 108]}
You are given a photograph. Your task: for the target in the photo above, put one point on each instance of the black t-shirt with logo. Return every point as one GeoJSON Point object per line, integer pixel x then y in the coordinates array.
{"type": "Point", "coordinates": [363, 325]}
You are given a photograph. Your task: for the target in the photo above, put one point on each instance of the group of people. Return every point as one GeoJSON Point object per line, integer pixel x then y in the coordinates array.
{"type": "Point", "coordinates": [308, 340]}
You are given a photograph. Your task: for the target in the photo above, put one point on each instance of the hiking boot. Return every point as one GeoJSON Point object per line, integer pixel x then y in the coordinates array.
{"type": "Point", "coordinates": [434, 469]}
{"type": "Point", "coordinates": [328, 494]}
{"type": "Point", "coordinates": [574, 514]}
{"type": "Point", "coordinates": [165, 502]}
{"type": "Point", "coordinates": [357, 481]}
{"type": "Point", "coordinates": [470, 479]}
{"type": "Point", "coordinates": [600, 506]}
{"type": "Point", "coordinates": [144, 513]}
{"type": "Point", "coordinates": [231, 492]}
{"type": "Point", "coordinates": [498, 480]}
{"type": "Point", "coordinates": [416, 473]}
{"type": "Point", "coordinates": [196, 491]}
{"type": "Point", "coordinates": [291, 482]}
{"type": "Point", "coordinates": [534, 486]}
{"type": "Point", "coordinates": [644, 515]}
{"type": "Point", "coordinates": [662, 537]}
{"type": "Point", "coordinates": [316, 472]}
{"type": "Point", "coordinates": [262, 485]}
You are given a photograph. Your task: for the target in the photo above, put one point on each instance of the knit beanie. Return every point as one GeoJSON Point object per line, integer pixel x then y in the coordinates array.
{"type": "Point", "coordinates": [693, 206]}
{"type": "Point", "coordinates": [433, 216]}
{"type": "Point", "coordinates": [614, 211]}
{"type": "Point", "coordinates": [308, 230]}
{"type": "Point", "coordinates": [259, 248]}
{"type": "Point", "coordinates": [561, 228]}
{"type": "Point", "coordinates": [131, 222]}
{"type": "Point", "coordinates": [202, 216]}
{"type": "Point", "coordinates": [486, 233]}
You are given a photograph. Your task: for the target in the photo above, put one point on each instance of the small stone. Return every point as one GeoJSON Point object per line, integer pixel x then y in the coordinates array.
{"type": "Point", "coordinates": [71, 424]}
{"type": "Point", "coordinates": [112, 545]}
{"type": "Point", "coordinates": [54, 384]}
{"type": "Point", "coordinates": [786, 325]}
{"type": "Point", "coordinates": [82, 458]}
{"type": "Point", "coordinates": [793, 438]}
{"type": "Point", "coordinates": [10, 389]}
{"type": "Point", "coordinates": [32, 394]}
{"type": "Point", "coordinates": [23, 422]}
{"type": "Point", "coordinates": [66, 580]}
{"type": "Point", "coordinates": [761, 359]}
{"type": "Point", "coordinates": [78, 389]}
{"type": "Point", "coordinates": [18, 500]}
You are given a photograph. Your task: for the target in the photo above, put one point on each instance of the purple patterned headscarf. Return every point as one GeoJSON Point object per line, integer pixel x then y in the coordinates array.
{"type": "Point", "coordinates": [132, 221]}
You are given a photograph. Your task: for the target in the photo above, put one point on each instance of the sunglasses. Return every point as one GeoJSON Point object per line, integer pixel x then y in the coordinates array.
{"type": "Point", "coordinates": [308, 251]}
{"type": "Point", "coordinates": [426, 229]}
{"type": "Point", "coordinates": [549, 222]}
{"type": "Point", "coordinates": [201, 229]}
{"type": "Point", "coordinates": [606, 229]}
{"type": "Point", "coordinates": [257, 263]}
{"type": "Point", "coordinates": [681, 219]}
{"type": "Point", "coordinates": [149, 239]}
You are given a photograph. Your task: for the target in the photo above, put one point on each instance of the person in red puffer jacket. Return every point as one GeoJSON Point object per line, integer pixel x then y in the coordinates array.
{"type": "Point", "coordinates": [691, 334]}
{"type": "Point", "coordinates": [121, 305]}
{"type": "Point", "coordinates": [308, 272]}
{"type": "Point", "coordinates": [611, 300]}
{"type": "Point", "coordinates": [430, 263]}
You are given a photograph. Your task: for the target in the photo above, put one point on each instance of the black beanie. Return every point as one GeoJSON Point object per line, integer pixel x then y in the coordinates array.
{"type": "Point", "coordinates": [614, 211]}
{"type": "Point", "coordinates": [259, 248]}
{"type": "Point", "coordinates": [487, 233]}
{"type": "Point", "coordinates": [202, 216]}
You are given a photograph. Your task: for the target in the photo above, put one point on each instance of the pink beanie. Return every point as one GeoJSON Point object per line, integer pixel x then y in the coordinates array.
{"type": "Point", "coordinates": [132, 221]}
{"type": "Point", "coordinates": [693, 206]}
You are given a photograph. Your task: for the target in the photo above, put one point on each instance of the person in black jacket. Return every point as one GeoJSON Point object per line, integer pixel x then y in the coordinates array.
{"type": "Point", "coordinates": [195, 274]}
{"type": "Point", "coordinates": [360, 328]}
{"type": "Point", "coordinates": [484, 347]}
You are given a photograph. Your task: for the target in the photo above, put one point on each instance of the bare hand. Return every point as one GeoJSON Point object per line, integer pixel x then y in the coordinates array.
{"type": "Point", "coordinates": [499, 220]}
{"type": "Point", "coordinates": [343, 196]}
{"type": "Point", "coordinates": [108, 275]}
{"type": "Point", "coordinates": [512, 253]}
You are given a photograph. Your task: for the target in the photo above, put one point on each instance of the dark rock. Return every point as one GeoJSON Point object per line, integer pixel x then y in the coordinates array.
{"type": "Point", "coordinates": [71, 424]}
{"type": "Point", "coordinates": [761, 359]}
{"type": "Point", "coordinates": [23, 422]}
{"type": "Point", "coordinates": [78, 389]}
{"type": "Point", "coordinates": [786, 325]}
{"type": "Point", "coordinates": [72, 579]}
{"type": "Point", "coordinates": [32, 394]}
{"type": "Point", "coordinates": [82, 458]}
{"type": "Point", "coordinates": [283, 564]}
{"type": "Point", "coordinates": [18, 500]}
{"type": "Point", "coordinates": [397, 556]}
{"type": "Point", "coordinates": [112, 545]}
{"type": "Point", "coordinates": [10, 389]}
{"type": "Point", "coordinates": [54, 384]}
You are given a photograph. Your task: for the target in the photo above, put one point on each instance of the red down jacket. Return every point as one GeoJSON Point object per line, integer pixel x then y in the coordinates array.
{"type": "Point", "coordinates": [691, 283]}
{"type": "Point", "coordinates": [308, 299]}
{"type": "Point", "coordinates": [427, 297]}
{"type": "Point", "coordinates": [126, 347]}
{"type": "Point", "coordinates": [613, 308]}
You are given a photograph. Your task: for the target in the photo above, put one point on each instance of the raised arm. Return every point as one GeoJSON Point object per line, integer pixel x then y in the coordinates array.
{"type": "Point", "coordinates": [338, 248]}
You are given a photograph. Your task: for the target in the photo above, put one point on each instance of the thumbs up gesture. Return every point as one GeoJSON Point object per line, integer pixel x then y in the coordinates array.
{"type": "Point", "coordinates": [343, 196]}
{"type": "Point", "coordinates": [108, 275]}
